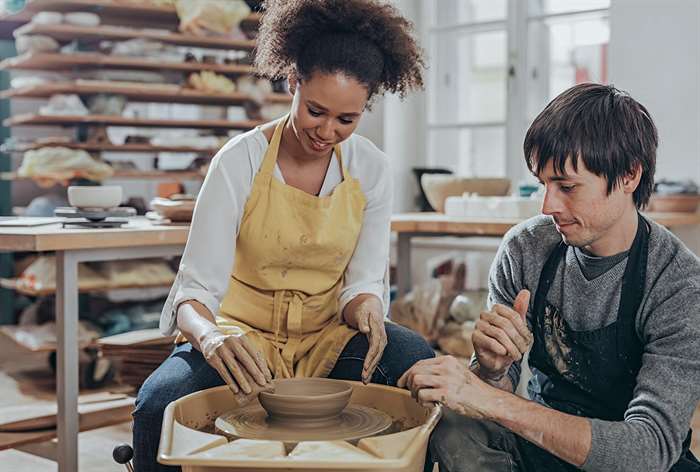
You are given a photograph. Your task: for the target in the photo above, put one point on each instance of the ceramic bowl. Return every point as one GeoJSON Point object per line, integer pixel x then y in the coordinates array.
{"type": "Point", "coordinates": [438, 187]}
{"type": "Point", "coordinates": [306, 400]}
{"type": "Point", "coordinates": [174, 210]}
{"type": "Point", "coordinates": [102, 197]}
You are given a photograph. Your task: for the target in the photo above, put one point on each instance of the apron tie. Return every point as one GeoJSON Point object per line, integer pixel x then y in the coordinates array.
{"type": "Point", "coordinates": [294, 333]}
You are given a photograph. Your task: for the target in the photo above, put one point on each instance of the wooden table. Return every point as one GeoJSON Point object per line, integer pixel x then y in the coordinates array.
{"type": "Point", "coordinates": [409, 225]}
{"type": "Point", "coordinates": [138, 240]}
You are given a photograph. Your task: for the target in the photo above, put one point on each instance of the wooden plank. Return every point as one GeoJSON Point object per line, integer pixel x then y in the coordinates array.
{"type": "Point", "coordinates": [11, 284]}
{"type": "Point", "coordinates": [63, 32]}
{"type": "Point", "coordinates": [125, 174]}
{"type": "Point", "coordinates": [107, 120]}
{"type": "Point", "coordinates": [436, 223]}
{"type": "Point", "coordinates": [88, 421]}
{"type": "Point", "coordinates": [167, 93]}
{"type": "Point", "coordinates": [105, 147]}
{"type": "Point", "coordinates": [155, 13]}
{"type": "Point", "coordinates": [53, 237]}
{"type": "Point", "coordinates": [59, 61]}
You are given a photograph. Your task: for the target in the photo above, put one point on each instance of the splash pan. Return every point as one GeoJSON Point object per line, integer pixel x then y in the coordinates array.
{"type": "Point", "coordinates": [189, 438]}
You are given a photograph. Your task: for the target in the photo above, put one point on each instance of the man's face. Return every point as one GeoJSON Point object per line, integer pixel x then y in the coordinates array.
{"type": "Point", "coordinates": [585, 215]}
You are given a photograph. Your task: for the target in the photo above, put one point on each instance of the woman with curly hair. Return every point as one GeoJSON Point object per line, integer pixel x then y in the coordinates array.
{"type": "Point", "coordinates": [284, 270]}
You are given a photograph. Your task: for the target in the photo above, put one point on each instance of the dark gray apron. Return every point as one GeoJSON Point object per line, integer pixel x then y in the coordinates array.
{"type": "Point", "coordinates": [590, 373]}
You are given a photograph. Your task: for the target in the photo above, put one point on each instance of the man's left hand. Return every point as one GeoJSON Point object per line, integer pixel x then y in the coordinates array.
{"type": "Point", "coordinates": [446, 381]}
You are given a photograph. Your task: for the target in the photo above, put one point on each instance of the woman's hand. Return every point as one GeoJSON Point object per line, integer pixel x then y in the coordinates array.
{"type": "Point", "coordinates": [364, 313]}
{"type": "Point", "coordinates": [236, 359]}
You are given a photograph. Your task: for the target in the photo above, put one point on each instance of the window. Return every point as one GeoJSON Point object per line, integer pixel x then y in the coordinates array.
{"type": "Point", "coordinates": [494, 65]}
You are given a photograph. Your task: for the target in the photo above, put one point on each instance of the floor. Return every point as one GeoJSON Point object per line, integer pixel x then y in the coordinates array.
{"type": "Point", "coordinates": [34, 380]}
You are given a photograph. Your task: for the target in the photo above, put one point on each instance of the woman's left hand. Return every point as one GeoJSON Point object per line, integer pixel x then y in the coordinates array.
{"type": "Point", "coordinates": [364, 313]}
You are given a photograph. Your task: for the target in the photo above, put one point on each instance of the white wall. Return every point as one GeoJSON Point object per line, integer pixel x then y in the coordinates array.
{"type": "Point", "coordinates": [655, 56]}
{"type": "Point", "coordinates": [404, 125]}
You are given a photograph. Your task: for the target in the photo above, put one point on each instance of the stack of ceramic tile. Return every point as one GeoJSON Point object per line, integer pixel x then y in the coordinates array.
{"type": "Point", "coordinates": [137, 353]}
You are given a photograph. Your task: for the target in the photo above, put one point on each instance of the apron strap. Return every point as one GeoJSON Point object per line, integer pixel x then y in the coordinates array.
{"type": "Point", "coordinates": [270, 159]}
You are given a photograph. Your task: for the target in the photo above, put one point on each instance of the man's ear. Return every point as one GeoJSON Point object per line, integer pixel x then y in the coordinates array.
{"type": "Point", "coordinates": [630, 182]}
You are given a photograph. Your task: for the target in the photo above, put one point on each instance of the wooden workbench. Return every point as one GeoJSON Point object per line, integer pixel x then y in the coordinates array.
{"type": "Point", "coordinates": [410, 225]}
{"type": "Point", "coordinates": [138, 240]}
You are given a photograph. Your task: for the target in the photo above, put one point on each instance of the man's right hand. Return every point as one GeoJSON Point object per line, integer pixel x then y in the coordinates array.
{"type": "Point", "coordinates": [502, 337]}
{"type": "Point", "coordinates": [236, 359]}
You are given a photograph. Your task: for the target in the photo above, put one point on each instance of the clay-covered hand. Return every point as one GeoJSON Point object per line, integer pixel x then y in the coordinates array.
{"type": "Point", "coordinates": [501, 337]}
{"type": "Point", "coordinates": [446, 381]}
{"type": "Point", "coordinates": [367, 317]}
{"type": "Point", "coordinates": [236, 359]}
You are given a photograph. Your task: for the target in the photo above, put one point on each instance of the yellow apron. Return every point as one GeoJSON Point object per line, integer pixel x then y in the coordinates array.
{"type": "Point", "coordinates": [291, 254]}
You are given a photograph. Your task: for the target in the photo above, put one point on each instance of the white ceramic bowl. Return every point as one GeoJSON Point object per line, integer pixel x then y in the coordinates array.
{"type": "Point", "coordinates": [438, 187]}
{"type": "Point", "coordinates": [103, 197]}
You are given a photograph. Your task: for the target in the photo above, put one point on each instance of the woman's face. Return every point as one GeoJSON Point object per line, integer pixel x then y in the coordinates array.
{"type": "Point", "coordinates": [326, 109]}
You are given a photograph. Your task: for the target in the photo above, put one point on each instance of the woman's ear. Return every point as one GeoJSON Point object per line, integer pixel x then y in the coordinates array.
{"type": "Point", "coordinates": [293, 81]}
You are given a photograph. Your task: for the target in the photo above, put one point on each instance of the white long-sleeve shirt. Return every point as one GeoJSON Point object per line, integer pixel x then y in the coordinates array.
{"type": "Point", "coordinates": [208, 259]}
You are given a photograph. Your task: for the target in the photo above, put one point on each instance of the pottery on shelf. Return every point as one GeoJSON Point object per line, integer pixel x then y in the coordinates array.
{"type": "Point", "coordinates": [101, 197]}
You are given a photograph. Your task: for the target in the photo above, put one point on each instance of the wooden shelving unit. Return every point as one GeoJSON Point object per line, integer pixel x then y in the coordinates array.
{"type": "Point", "coordinates": [84, 60]}
{"type": "Point", "coordinates": [166, 93]}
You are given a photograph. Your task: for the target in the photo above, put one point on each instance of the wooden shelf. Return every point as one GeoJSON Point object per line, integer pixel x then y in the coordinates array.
{"type": "Point", "coordinates": [64, 32]}
{"type": "Point", "coordinates": [104, 147]}
{"type": "Point", "coordinates": [138, 93]}
{"type": "Point", "coordinates": [105, 7]}
{"type": "Point", "coordinates": [112, 11]}
{"type": "Point", "coordinates": [156, 13]}
{"type": "Point", "coordinates": [157, 175]}
{"type": "Point", "coordinates": [11, 284]}
{"type": "Point", "coordinates": [128, 174]}
{"type": "Point", "coordinates": [106, 120]}
{"type": "Point", "coordinates": [93, 60]}
{"type": "Point", "coordinates": [110, 414]}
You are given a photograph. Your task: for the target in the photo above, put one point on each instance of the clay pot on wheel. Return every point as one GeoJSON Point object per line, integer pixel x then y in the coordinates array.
{"type": "Point", "coordinates": [306, 401]}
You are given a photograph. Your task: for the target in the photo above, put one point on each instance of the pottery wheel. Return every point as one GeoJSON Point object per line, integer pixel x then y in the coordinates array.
{"type": "Point", "coordinates": [355, 422]}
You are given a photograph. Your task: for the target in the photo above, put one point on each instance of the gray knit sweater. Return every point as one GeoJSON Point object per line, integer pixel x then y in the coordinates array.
{"type": "Point", "coordinates": [668, 325]}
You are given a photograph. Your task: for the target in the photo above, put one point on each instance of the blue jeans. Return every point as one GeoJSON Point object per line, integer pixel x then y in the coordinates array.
{"type": "Point", "coordinates": [186, 371]}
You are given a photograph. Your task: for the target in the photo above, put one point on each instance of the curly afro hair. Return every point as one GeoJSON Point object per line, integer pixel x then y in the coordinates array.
{"type": "Point", "coordinates": [364, 39]}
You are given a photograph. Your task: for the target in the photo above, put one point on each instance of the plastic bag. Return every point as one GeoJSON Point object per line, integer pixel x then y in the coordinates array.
{"type": "Point", "coordinates": [202, 17]}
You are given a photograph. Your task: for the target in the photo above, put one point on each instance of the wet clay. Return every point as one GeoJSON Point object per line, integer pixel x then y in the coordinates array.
{"type": "Point", "coordinates": [304, 410]}
{"type": "Point", "coordinates": [306, 402]}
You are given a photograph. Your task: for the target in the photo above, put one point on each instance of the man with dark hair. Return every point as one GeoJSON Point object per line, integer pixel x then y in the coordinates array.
{"type": "Point", "coordinates": [612, 327]}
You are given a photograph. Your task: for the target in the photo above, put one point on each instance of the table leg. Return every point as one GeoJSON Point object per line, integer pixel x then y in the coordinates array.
{"type": "Point", "coordinates": [403, 264]}
{"type": "Point", "coordinates": [67, 354]}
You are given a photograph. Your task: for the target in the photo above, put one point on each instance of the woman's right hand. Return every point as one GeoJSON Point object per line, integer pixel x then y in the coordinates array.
{"type": "Point", "coordinates": [236, 359]}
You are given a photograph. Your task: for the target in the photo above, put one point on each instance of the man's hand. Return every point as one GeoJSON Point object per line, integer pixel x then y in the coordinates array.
{"type": "Point", "coordinates": [446, 381]}
{"type": "Point", "coordinates": [364, 313]}
{"type": "Point", "coordinates": [236, 359]}
{"type": "Point", "coordinates": [502, 337]}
